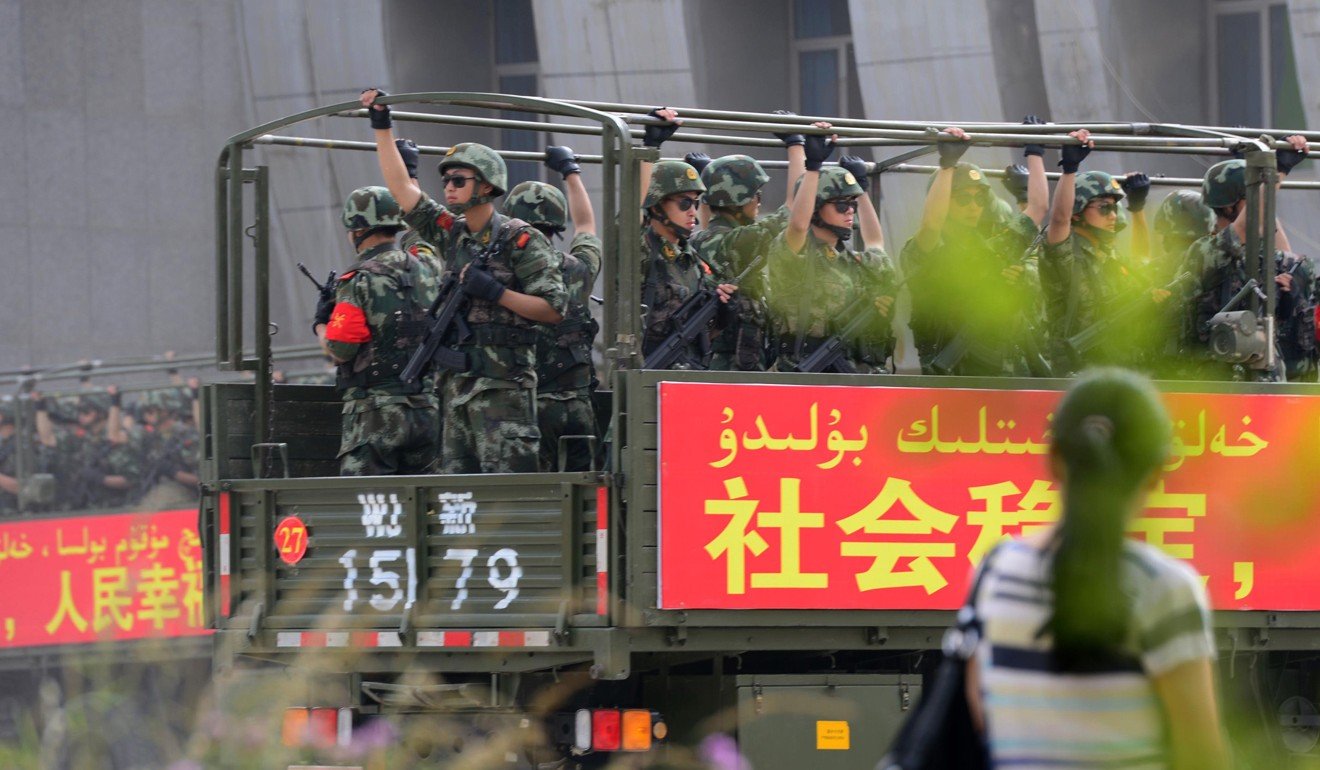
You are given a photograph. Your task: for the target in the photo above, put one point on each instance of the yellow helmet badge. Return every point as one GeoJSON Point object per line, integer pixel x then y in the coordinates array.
{"type": "Point", "coordinates": [848, 178]}
{"type": "Point", "coordinates": [691, 173]}
{"type": "Point", "coordinates": [973, 175]}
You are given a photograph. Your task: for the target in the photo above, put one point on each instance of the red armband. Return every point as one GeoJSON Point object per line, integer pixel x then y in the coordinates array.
{"type": "Point", "coordinates": [347, 324]}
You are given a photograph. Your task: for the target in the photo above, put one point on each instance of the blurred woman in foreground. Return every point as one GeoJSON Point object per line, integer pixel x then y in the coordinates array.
{"type": "Point", "coordinates": [1096, 650]}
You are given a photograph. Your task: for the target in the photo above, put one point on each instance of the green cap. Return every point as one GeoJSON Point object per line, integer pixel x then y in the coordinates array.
{"type": "Point", "coordinates": [733, 180]}
{"type": "Point", "coordinates": [538, 203]}
{"type": "Point", "coordinates": [369, 207]}
{"type": "Point", "coordinates": [670, 177]}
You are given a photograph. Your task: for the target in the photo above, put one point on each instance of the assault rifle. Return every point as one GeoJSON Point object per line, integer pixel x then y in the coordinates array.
{"type": "Point", "coordinates": [449, 324]}
{"type": "Point", "coordinates": [447, 312]}
{"type": "Point", "coordinates": [691, 320]}
{"type": "Point", "coordinates": [952, 354]}
{"type": "Point", "coordinates": [1084, 341]}
{"type": "Point", "coordinates": [831, 355]}
{"type": "Point", "coordinates": [328, 286]}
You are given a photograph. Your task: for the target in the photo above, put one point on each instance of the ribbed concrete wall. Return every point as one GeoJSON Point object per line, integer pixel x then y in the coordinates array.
{"type": "Point", "coordinates": [111, 117]}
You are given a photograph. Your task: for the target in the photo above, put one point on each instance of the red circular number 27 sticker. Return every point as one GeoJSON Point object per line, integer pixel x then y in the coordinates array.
{"type": "Point", "coordinates": [291, 539]}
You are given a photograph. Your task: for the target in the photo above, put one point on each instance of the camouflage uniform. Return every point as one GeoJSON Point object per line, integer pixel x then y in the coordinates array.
{"type": "Point", "coordinates": [671, 272]}
{"type": "Point", "coordinates": [1083, 279]}
{"type": "Point", "coordinates": [812, 290]}
{"type": "Point", "coordinates": [729, 244]}
{"type": "Point", "coordinates": [958, 287]}
{"type": "Point", "coordinates": [490, 423]}
{"type": "Point", "coordinates": [1220, 262]}
{"type": "Point", "coordinates": [167, 450]}
{"type": "Point", "coordinates": [379, 318]}
{"type": "Point", "coordinates": [565, 375]}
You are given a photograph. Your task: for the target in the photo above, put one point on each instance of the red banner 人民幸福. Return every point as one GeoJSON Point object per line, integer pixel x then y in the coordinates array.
{"type": "Point", "coordinates": [109, 577]}
{"type": "Point", "coordinates": [827, 497]}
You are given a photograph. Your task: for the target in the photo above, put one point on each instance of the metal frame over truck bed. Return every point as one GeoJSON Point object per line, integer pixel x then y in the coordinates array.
{"type": "Point", "coordinates": [397, 574]}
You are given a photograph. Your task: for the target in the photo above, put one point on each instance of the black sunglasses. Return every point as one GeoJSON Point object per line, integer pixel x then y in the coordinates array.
{"type": "Point", "coordinates": [844, 206]}
{"type": "Point", "coordinates": [969, 196]}
{"type": "Point", "coordinates": [459, 181]}
{"type": "Point", "coordinates": [1105, 209]}
{"type": "Point", "coordinates": [687, 204]}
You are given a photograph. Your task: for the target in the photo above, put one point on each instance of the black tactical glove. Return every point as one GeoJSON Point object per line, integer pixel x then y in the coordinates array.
{"type": "Point", "coordinates": [819, 148]}
{"type": "Point", "coordinates": [379, 114]}
{"type": "Point", "coordinates": [1137, 187]}
{"type": "Point", "coordinates": [408, 151]}
{"type": "Point", "coordinates": [857, 167]}
{"type": "Point", "coordinates": [1015, 181]}
{"type": "Point", "coordinates": [952, 152]}
{"type": "Point", "coordinates": [697, 160]}
{"type": "Point", "coordinates": [1071, 157]}
{"type": "Point", "coordinates": [1033, 149]}
{"type": "Point", "coordinates": [1287, 160]}
{"type": "Point", "coordinates": [481, 284]}
{"type": "Point", "coordinates": [655, 135]}
{"type": "Point", "coordinates": [562, 160]}
{"type": "Point", "coordinates": [789, 139]}
{"type": "Point", "coordinates": [116, 398]}
{"type": "Point", "coordinates": [325, 302]}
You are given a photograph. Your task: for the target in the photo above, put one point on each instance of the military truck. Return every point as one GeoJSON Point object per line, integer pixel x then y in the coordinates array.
{"type": "Point", "coordinates": [766, 562]}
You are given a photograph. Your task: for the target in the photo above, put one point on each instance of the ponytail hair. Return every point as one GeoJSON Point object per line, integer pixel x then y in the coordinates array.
{"type": "Point", "coordinates": [1110, 433]}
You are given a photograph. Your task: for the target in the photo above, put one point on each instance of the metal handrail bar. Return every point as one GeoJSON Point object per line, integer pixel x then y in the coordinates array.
{"type": "Point", "coordinates": [1132, 128]}
{"type": "Point", "coordinates": [1156, 181]}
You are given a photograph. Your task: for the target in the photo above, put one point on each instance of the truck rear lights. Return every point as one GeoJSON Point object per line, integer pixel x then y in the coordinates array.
{"type": "Point", "coordinates": [617, 730]}
{"type": "Point", "coordinates": [636, 730]}
{"type": "Point", "coordinates": [606, 729]}
{"type": "Point", "coordinates": [321, 726]}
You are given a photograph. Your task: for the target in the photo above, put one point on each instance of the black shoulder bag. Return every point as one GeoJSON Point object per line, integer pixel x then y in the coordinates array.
{"type": "Point", "coordinates": [940, 735]}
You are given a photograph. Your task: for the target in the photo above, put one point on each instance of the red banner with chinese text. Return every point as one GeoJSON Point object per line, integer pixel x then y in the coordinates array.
{"type": "Point", "coordinates": [100, 578]}
{"type": "Point", "coordinates": [835, 497]}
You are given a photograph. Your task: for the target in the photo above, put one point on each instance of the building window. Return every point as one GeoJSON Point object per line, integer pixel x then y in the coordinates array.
{"type": "Point", "coordinates": [824, 68]}
{"type": "Point", "coordinates": [517, 71]}
{"type": "Point", "coordinates": [1255, 73]}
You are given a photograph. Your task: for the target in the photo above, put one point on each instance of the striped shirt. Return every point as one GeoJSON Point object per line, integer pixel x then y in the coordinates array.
{"type": "Point", "coordinates": [1107, 716]}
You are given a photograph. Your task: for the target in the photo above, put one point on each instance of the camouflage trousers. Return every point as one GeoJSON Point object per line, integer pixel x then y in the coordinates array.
{"type": "Point", "coordinates": [488, 430]}
{"type": "Point", "coordinates": [568, 413]}
{"type": "Point", "coordinates": [389, 439]}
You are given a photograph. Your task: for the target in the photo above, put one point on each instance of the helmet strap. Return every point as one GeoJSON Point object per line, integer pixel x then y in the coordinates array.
{"type": "Point", "coordinates": [657, 213]}
{"type": "Point", "coordinates": [840, 232]}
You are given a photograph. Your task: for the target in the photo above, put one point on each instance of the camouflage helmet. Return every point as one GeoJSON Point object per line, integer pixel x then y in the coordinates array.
{"type": "Point", "coordinates": [1225, 183]}
{"type": "Point", "coordinates": [94, 402]}
{"type": "Point", "coordinates": [671, 177]}
{"type": "Point", "coordinates": [733, 181]}
{"type": "Point", "coordinates": [836, 182]}
{"type": "Point", "coordinates": [371, 207]}
{"type": "Point", "coordinates": [1095, 184]}
{"type": "Point", "coordinates": [965, 175]}
{"type": "Point", "coordinates": [1183, 214]}
{"type": "Point", "coordinates": [7, 411]}
{"type": "Point", "coordinates": [168, 400]}
{"type": "Point", "coordinates": [538, 203]}
{"type": "Point", "coordinates": [487, 164]}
